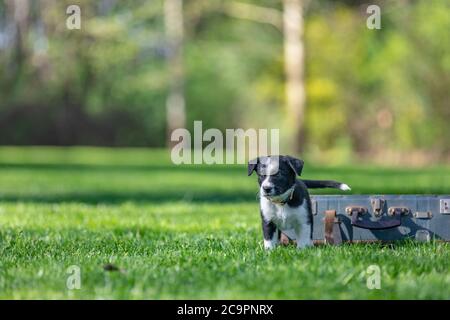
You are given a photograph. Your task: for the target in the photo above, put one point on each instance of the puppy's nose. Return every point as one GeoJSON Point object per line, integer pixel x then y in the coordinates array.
{"type": "Point", "coordinates": [267, 189]}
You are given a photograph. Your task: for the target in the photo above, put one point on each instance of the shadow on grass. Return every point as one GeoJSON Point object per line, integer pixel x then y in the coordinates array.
{"type": "Point", "coordinates": [159, 197]}
{"type": "Point", "coordinates": [137, 197]}
{"type": "Point", "coordinates": [223, 168]}
{"type": "Point", "coordinates": [361, 179]}
{"type": "Point", "coordinates": [238, 169]}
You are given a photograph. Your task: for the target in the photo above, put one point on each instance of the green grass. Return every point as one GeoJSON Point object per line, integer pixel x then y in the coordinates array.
{"type": "Point", "coordinates": [187, 232]}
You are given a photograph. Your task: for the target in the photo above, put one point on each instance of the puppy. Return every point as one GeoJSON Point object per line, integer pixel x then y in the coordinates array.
{"type": "Point", "coordinates": [285, 204]}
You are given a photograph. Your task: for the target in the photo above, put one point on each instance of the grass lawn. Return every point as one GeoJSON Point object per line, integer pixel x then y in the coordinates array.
{"type": "Point", "coordinates": [187, 232]}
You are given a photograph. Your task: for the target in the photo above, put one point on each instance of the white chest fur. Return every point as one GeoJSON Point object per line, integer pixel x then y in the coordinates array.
{"type": "Point", "coordinates": [283, 216]}
{"type": "Point", "coordinates": [293, 221]}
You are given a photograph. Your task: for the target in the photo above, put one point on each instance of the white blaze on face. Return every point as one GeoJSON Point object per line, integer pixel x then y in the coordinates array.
{"type": "Point", "coordinates": [271, 169]}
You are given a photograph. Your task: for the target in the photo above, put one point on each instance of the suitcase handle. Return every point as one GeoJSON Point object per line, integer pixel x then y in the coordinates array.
{"type": "Point", "coordinates": [381, 224]}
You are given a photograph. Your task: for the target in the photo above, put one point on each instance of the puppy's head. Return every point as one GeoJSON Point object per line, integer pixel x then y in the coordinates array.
{"type": "Point", "coordinates": [276, 174]}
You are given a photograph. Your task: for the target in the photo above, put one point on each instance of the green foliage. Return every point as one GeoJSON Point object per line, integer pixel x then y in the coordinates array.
{"type": "Point", "coordinates": [178, 233]}
{"type": "Point", "coordinates": [367, 90]}
{"type": "Point", "coordinates": [371, 82]}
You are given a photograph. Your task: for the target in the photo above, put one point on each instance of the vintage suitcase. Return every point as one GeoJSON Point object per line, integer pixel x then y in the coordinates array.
{"type": "Point", "coordinates": [360, 218]}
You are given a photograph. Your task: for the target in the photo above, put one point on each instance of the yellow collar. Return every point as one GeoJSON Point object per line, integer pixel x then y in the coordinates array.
{"type": "Point", "coordinates": [284, 197]}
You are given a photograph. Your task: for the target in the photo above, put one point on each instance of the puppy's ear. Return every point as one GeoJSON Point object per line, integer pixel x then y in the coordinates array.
{"type": "Point", "coordinates": [295, 164]}
{"type": "Point", "coordinates": [252, 166]}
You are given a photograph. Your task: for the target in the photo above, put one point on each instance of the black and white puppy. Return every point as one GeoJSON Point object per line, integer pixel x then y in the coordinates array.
{"type": "Point", "coordinates": [285, 204]}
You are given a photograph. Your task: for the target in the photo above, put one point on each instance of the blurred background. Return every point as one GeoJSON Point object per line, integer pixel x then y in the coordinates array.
{"type": "Point", "coordinates": [86, 177]}
{"type": "Point", "coordinates": [339, 91]}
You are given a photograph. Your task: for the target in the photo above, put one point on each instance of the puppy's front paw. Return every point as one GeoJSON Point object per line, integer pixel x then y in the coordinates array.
{"type": "Point", "coordinates": [269, 245]}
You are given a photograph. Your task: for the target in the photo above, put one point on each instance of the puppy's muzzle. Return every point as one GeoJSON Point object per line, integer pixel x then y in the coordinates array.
{"type": "Point", "coordinates": [267, 190]}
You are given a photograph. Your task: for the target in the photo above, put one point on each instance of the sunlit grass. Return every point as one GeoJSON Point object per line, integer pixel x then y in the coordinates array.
{"type": "Point", "coordinates": [187, 232]}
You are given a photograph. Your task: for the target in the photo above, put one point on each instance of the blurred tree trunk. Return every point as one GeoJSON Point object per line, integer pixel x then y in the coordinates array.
{"type": "Point", "coordinates": [175, 103]}
{"type": "Point", "coordinates": [293, 26]}
{"type": "Point", "coordinates": [19, 10]}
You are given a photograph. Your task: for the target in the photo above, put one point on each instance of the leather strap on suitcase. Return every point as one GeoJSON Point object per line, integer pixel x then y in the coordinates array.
{"type": "Point", "coordinates": [332, 230]}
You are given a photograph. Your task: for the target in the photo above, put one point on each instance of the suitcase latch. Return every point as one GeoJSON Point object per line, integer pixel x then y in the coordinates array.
{"type": "Point", "coordinates": [444, 206]}
{"type": "Point", "coordinates": [355, 211]}
{"type": "Point", "coordinates": [404, 211]}
{"type": "Point", "coordinates": [377, 206]}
